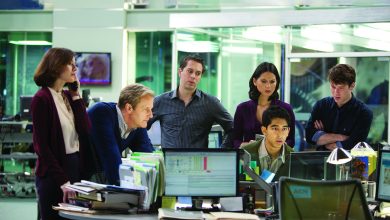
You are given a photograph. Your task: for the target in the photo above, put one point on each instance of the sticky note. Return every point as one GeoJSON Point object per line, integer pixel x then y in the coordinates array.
{"type": "Point", "coordinates": [267, 175]}
{"type": "Point", "coordinates": [185, 200]}
{"type": "Point", "coordinates": [168, 202]}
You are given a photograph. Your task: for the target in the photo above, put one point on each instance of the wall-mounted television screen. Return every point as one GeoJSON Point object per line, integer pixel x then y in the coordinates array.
{"type": "Point", "coordinates": [93, 68]}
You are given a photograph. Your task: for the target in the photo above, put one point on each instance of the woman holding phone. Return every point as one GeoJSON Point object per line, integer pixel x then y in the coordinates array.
{"type": "Point", "coordinates": [60, 129]}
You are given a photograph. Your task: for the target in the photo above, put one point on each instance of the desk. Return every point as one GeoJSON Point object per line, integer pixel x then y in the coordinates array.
{"type": "Point", "coordinates": [82, 216]}
{"type": "Point", "coordinates": [13, 132]}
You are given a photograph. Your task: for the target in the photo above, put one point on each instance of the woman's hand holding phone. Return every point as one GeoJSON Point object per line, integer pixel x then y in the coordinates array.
{"type": "Point", "coordinates": [74, 88]}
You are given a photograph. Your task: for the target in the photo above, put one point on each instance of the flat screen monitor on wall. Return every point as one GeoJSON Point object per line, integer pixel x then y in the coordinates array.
{"type": "Point", "coordinates": [201, 172]}
{"type": "Point", "coordinates": [93, 68]}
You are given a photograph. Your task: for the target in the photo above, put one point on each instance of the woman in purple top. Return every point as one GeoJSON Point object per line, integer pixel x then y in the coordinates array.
{"type": "Point", "coordinates": [60, 130]}
{"type": "Point", "coordinates": [263, 92]}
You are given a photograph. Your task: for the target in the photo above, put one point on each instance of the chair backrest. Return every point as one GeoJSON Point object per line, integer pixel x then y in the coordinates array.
{"type": "Point", "coordinates": [317, 199]}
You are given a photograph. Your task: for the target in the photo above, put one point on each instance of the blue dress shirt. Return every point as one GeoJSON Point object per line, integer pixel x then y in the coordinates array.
{"type": "Point", "coordinates": [353, 119]}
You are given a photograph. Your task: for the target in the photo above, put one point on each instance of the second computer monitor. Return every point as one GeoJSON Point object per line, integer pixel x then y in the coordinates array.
{"type": "Point", "coordinates": [201, 172]}
{"type": "Point", "coordinates": [215, 139]}
{"type": "Point", "coordinates": [383, 176]}
{"type": "Point", "coordinates": [311, 165]}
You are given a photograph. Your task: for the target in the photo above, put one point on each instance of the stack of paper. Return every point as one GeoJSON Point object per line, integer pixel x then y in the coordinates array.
{"type": "Point", "coordinates": [144, 169]}
{"type": "Point", "coordinates": [96, 196]}
{"type": "Point", "coordinates": [99, 205]}
{"type": "Point", "coordinates": [73, 208]}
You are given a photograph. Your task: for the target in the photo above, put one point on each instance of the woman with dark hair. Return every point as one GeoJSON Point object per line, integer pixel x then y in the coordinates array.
{"type": "Point", "coordinates": [263, 92]}
{"type": "Point", "coordinates": [60, 130]}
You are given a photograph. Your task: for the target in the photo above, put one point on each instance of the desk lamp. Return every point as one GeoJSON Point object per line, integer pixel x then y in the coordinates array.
{"type": "Point", "coordinates": [339, 156]}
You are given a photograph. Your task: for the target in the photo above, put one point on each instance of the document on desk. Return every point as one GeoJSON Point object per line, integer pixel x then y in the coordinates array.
{"type": "Point", "coordinates": [233, 216]}
{"type": "Point", "coordinates": [177, 214]}
{"type": "Point", "coordinates": [73, 208]}
{"type": "Point", "coordinates": [80, 188]}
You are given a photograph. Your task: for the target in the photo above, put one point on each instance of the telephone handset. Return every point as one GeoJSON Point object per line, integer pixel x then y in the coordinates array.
{"type": "Point", "coordinates": [73, 86]}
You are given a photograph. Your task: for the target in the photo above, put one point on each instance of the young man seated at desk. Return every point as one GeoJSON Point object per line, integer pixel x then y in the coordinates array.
{"type": "Point", "coordinates": [271, 151]}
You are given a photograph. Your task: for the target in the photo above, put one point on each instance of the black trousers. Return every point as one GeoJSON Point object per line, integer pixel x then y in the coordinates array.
{"type": "Point", "coordinates": [49, 193]}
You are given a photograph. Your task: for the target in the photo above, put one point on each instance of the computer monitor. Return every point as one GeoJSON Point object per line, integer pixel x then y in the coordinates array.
{"type": "Point", "coordinates": [215, 139]}
{"type": "Point", "coordinates": [206, 173]}
{"type": "Point", "coordinates": [25, 107]}
{"type": "Point", "coordinates": [317, 199]}
{"type": "Point", "coordinates": [383, 176]}
{"type": "Point", "coordinates": [311, 165]}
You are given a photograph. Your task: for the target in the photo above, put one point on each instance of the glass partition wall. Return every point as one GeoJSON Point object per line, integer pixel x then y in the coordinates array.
{"type": "Point", "coordinates": [20, 52]}
{"type": "Point", "coordinates": [314, 49]}
{"type": "Point", "coordinates": [151, 59]}
{"type": "Point", "coordinates": [303, 56]}
{"type": "Point", "coordinates": [230, 59]}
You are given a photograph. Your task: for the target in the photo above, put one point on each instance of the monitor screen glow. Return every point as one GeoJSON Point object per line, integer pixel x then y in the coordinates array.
{"type": "Point", "coordinates": [201, 172]}
{"type": "Point", "coordinates": [383, 178]}
{"type": "Point", "coordinates": [215, 139]}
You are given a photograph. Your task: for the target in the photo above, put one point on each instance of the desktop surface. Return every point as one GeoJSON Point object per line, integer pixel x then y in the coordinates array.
{"type": "Point", "coordinates": [84, 216]}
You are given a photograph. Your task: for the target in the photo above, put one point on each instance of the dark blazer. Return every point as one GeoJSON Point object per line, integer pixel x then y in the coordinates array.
{"type": "Point", "coordinates": [107, 140]}
{"type": "Point", "coordinates": [48, 139]}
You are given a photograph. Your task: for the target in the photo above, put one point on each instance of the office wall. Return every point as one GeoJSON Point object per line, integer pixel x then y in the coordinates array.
{"type": "Point", "coordinates": [94, 26]}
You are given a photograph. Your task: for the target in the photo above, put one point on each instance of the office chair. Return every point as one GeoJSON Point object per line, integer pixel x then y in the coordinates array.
{"type": "Point", "coordinates": [317, 199]}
